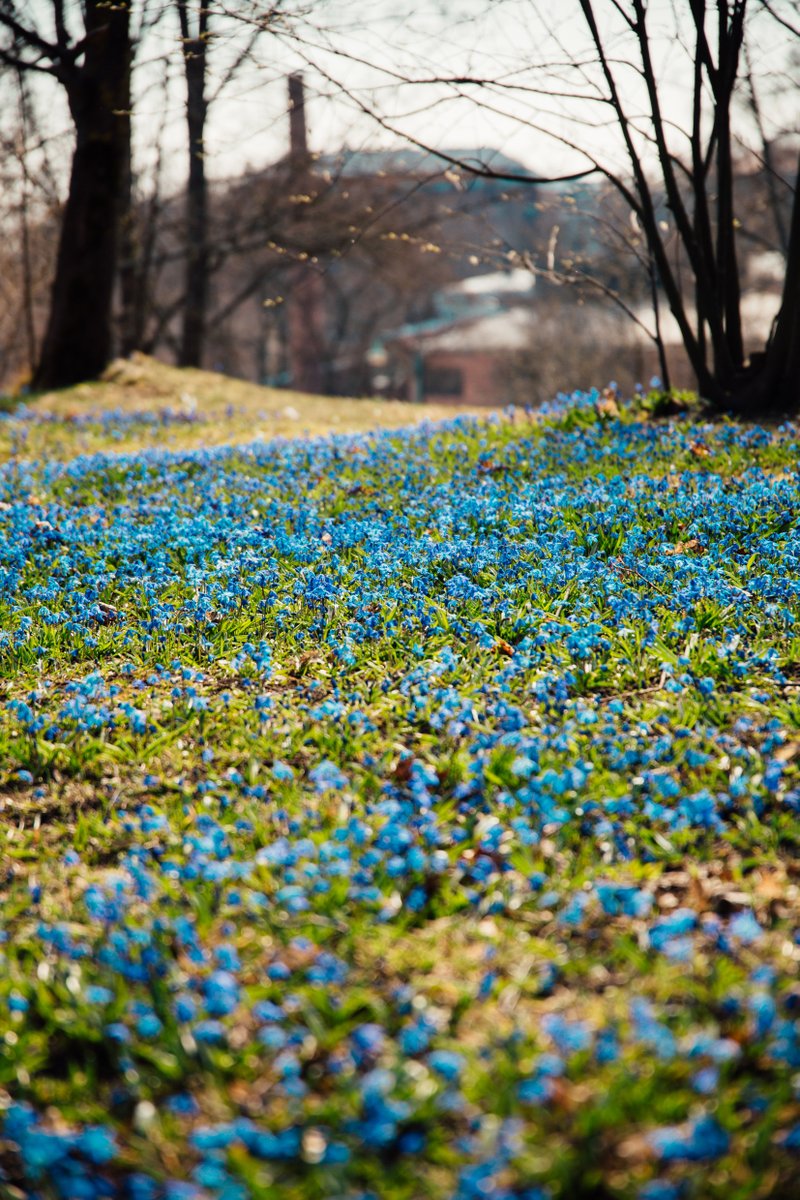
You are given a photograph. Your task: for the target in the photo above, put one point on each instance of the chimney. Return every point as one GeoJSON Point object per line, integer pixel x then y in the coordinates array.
{"type": "Point", "coordinates": [298, 140]}
{"type": "Point", "coordinates": [305, 309]}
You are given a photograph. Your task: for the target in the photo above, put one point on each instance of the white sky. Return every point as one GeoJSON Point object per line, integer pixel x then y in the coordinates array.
{"type": "Point", "coordinates": [486, 38]}
{"type": "Point", "coordinates": [499, 39]}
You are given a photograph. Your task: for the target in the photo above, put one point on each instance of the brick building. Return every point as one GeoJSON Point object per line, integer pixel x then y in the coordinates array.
{"type": "Point", "coordinates": [465, 360]}
{"type": "Point", "coordinates": [462, 353]}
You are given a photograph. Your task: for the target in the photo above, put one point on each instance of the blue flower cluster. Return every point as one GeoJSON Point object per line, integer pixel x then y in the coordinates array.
{"type": "Point", "coordinates": [413, 814]}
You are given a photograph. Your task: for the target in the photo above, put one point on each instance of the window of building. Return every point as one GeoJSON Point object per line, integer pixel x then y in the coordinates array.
{"type": "Point", "coordinates": [443, 381]}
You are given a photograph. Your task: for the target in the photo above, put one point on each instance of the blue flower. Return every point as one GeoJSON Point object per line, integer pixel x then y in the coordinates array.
{"type": "Point", "coordinates": [695, 1142]}
{"type": "Point", "coordinates": [98, 1144]}
{"type": "Point", "coordinates": [447, 1063]}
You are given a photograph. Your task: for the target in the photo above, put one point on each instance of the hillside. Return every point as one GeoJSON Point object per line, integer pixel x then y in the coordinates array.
{"type": "Point", "coordinates": [141, 402]}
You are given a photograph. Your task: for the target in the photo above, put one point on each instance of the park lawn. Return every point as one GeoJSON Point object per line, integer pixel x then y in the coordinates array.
{"type": "Point", "coordinates": [399, 815]}
{"type": "Point", "coordinates": [141, 403]}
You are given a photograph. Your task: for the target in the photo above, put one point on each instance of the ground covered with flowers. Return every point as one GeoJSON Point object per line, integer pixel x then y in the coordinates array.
{"type": "Point", "coordinates": [141, 402]}
{"type": "Point", "coordinates": [404, 815]}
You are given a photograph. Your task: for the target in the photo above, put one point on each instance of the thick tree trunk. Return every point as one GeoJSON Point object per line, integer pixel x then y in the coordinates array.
{"type": "Point", "coordinates": [78, 342]}
{"type": "Point", "coordinates": [771, 385]}
{"type": "Point", "coordinates": [129, 331]}
{"type": "Point", "coordinates": [783, 352]}
{"type": "Point", "coordinates": [196, 305]}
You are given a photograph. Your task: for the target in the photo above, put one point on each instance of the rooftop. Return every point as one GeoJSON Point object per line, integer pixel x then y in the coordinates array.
{"type": "Point", "coordinates": [506, 330]}
{"type": "Point", "coordinates": [408, 160]}
{"type": "Point", "coordinates": [493, 283]}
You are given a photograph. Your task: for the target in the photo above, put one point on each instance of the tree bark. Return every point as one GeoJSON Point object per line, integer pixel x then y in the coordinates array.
{"type": "Point", "coordinates": [78, 342]}
{"type": "Point", "coordinates": [128, 260]}
{"type": "Point", "coordinates": [772, 382]}
{"type": "Point", "coordinates": [195, 311]}
{"type": "Point", "coordinates": [783, 352]}
{"type": "Point", "coordinates": [25, 230]}
{"type": "Point", "coordinates": [728, 299]}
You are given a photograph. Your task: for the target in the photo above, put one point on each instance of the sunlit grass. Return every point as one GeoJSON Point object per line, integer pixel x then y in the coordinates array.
{"type": "Point", "coordinates": [408, 815]}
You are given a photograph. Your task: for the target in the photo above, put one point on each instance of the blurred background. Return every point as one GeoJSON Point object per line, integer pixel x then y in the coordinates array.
{"type": "Point", "coordinates": [358, 199]}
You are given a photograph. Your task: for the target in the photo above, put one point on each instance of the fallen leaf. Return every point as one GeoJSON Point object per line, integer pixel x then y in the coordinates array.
{"type": "Point", "coordinates": [402, 771]}
{"type": "Point", "coordinates": [692, 546]}
{"type": "Point", "coordinates": [771, 886]}
{"type": "Point", "coordinates": [787, 752]}
{"type": "Point", "coordinates": [108, 613]}
{"type": "Point", "coordinates": [607, 407]}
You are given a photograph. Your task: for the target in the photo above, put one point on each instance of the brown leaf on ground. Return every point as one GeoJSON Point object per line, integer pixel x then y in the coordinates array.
{"type": "Point", "coordinates": [607, 406]}
{"type": "Point", "coordinates": [692, 546]}
{"type": "Point", "coordinates": [107, 613]}
{"type": "Point", "coordinates": [771, 886]}
{"type": "Point", "coordinates": [787, 753]}
{"type": "Point", "coordinates": [402, 771]}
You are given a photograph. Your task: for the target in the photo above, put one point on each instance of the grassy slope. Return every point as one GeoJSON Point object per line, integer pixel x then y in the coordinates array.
{"type": "Point", "coordinates": [429, 801]}
{"type": "Point", "coordinates": [194, 408]}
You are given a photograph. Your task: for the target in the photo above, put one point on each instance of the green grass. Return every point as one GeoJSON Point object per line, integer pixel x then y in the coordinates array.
{"type": "Point", "coordinates": [534, 660]}
{"type": "Point", "coordinates": [141, 402]}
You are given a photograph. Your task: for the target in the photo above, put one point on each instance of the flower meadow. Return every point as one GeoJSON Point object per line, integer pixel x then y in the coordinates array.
{"type": "Point", "coordinates": [404, 815]}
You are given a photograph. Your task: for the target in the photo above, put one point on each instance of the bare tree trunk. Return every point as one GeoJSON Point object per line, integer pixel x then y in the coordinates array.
{"type": "Point", "coordinates": [195, 310]}
{"type": "Point", "coordinates": [783, 352]}
{"type": "Point", "coordinates": [128, 261]}
{"type": "Point", "coordinates": [25, 232]}
{"type": "Point", "coordinates": [78, 341]}
{"type": "Point", "coordinates": [728, 300]}
{"type": "Point", "coordinates": [770, 172]}
{"type": "Point", "coordinates": [772, 383]}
